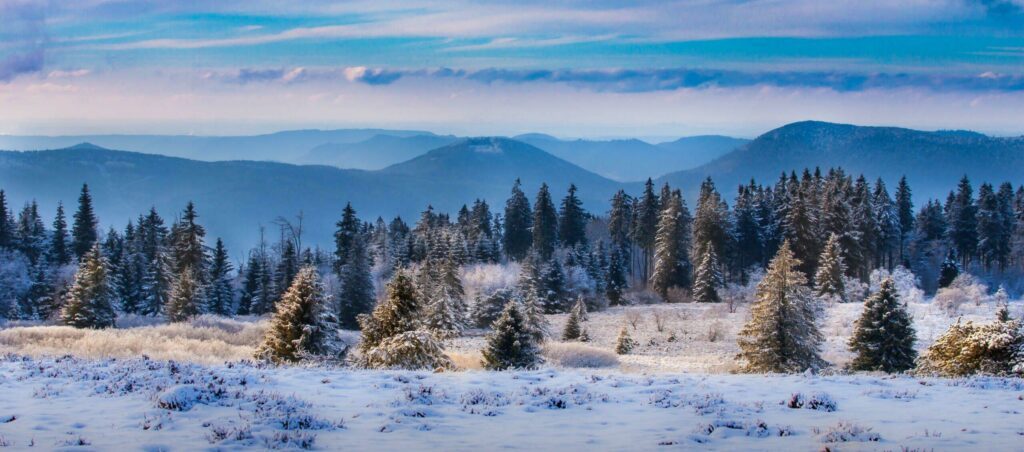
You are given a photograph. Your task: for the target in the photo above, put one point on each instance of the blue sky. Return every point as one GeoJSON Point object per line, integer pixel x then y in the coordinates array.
{"type": "Point", "coordinates": [570, 68]}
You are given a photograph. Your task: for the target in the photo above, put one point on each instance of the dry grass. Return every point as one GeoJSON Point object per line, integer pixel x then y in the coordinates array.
{"type": "Point", "coordinates": [577, 355]}
{"type": "Point", "coordinates": [467, 360]}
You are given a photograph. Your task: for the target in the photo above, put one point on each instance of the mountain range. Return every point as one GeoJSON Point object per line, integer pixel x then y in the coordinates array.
{"type": "Point", "coordinates": [236, 197]}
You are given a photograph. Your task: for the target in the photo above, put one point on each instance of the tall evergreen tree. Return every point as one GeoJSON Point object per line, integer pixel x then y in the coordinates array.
{"type": "Point", "coordinates": [187, 246]}
{"type": "Point", "coordinates": [59, 253]}
{"type": "Point", "coordinates": [345, 236]}
{"type": "Point", "coordinates": [949, 271]}
{"type": "Point", "coordinates": [905, 211]}
{"type": "Point", "coordinates": [619, 221]}
{"type": "Point", "coordinates": [304, 326]}
{"type": "Point", "coordinates": [447, 312]}
{"type": "Point", "coordinates": [962, 218]}
{"type": "Point", "coordinates": [6, 223]}
{"type": "Point", "coordinates": [221, 297]}
{"type": "Point", "coordinates": [883, 337]}
{"type": "Point", "coordinates": [647, 213]}
{"type": "Point", "coordinates": [828, 281]}
{"type": "Point", "coordinates": [615, 280]}
{"type": "Point", "coordinates": [517, 238]}
{"type": "Point", "coordinates": [782, 334]}
{"type": "Point", "coordinates": [83, 233]}
{"type": "Point", "coordinates": [545, 223]}
{"type": "Point", "coordinates": [671, 264]}
{"type": "Point", "coordinates": [356, 296]}
{"type": "Point", "coordinates": [708, 278]}
{"type": "Point", "coordinates": [510, 344]}
{"type": "Point", "coordinates": [89, 302]}
{"type": "Point", "coordinates": [249, 299]}
{"type": "Point", "coordinates": [30, 233]}
{"type": "Point", "coordinates": [800, 232]}
{"type": "Point", "coordinates": [187, 297]}
{"type": "Point", "coordinates": [710, 221]}
{"type": "Point", "coordinates": [396, 314]}
{"type": "Point", "coordinates": [572, 220]}
{"type": "Point", "coordinates": [747, 230]}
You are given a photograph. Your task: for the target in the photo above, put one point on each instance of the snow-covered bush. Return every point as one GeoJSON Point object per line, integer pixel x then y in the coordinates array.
{"type": "Point", "coordinates": [969, 348]}
{"type": "Point", "coordinates": [818, 401]}
{"type": "Point", "coordinates": [964, 289]}
{"type": "Point", "coordinates": [482, 279]}
{"type": "Point", "coordinates": [182, 397]}
{"type": "Point", "coordinates": [410, 350]}
{"type": "Point", "coordinates": [844, 432]}
{"type": "Point", "coordinates": [908, 285]}
{"type": "Point", "coordinates": [577, 355]}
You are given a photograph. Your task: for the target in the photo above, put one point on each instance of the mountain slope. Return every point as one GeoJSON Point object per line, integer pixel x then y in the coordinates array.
{"type": "Point", "coordinates": [375, 153]}
{"type": "Point", "coordinates": [236, 197]}
{"type": "Point", "coordinates": [932, 161]}
{"type": "Point", "coordinates": [635, 160]}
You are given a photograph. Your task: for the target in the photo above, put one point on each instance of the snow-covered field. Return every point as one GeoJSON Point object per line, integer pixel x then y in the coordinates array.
{"type": "Point", "coordinates": [673, 390]}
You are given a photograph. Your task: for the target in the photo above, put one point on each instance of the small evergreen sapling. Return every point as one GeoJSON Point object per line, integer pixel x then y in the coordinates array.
{"type": "Point", "coordinates": [572, 328]}
{"type": "Point", "coordinates": [511, 344]}
{"type": "Point", "coordinates": [828, 281]}
{"type": "Point", "coordinates": [624, 344]}
{"type": "Point", "coordinates": [186, 297]}
{"type": "Point", "coordinates": [580, 309]}
{"type": "Point", "coordinates": [883, 337]}
{"type": "Point", "coordinates": [949, 271]}
{"type": "Point", "coordinates": [304, 326]}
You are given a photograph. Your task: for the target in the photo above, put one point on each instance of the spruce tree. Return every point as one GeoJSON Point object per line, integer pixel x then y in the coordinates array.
{"type": "Point", "coordinates": [221, 297]}
{"type": "Point", "coordinates": [89, 302]}
{"type": "Point", "coordinates": [356, 296]}
{"type": "Point", "coordinates": [949, 271]}
{"type": "Point", "coordinates": [799, 232]}
{"type": "Point", "coordinates": [905, 211]}
{"type": "Point", "coordinates": [615, 281]}
{"type": "Point", "coordinates": [624, 343]}
{"type": "Point", "coordinates": [6, 224]}
{"type": "Point", "coordinates": [620, 220]}
{"type": "Point", "coordinates": [545, 223]}
{"type": "Point", "coordinates": [883, 337]}
{"type": "Point", "coordinates": [30, 233]}
{"type": "Point", "coordinates": [345, 236]}
{"type": "Point", "coordinates": [707, 279]}
{"type": "Point", "coordinates": [710, 221]}
{"type": "Point", "coordinates": [645, 227]}
{"type": "Point", "coordinates": [572, 330]}
{"type": "Point", "coordinates": [398, 313]}
{"type": "Point", "coordinates": [511, 345]}
{"type": "Point", "coordinates": [447, 311]}
{"type": "Point", "coordinates": [572, 220]}
{"type": "Point", "coordinates": [186, 299]}
{"type": "Point", "coordinates": [83, 233]}
{"type": "Point", "coordinates": [963, 221]}
{"type": "Point", "coordinates": [536, 323]}
{"type": "Point", "coordinates": [552, 287]}
{"type": "Point", "coordinates": [828, 281]}
{"type": "Point", "coordinates": [249, 298]}
{"type": "Point", "coordinates": [782, 334]}
{"type": "Point", "coordinates": [59, 254]}
{"type": "Point", "coordinates": [517, 238]}
{"type": "Point", "coordinates": [670, 261]}
{"type": "Point", "coordinates": [188, 250]}
{"type": "Point", "coordinates": [304, 326]}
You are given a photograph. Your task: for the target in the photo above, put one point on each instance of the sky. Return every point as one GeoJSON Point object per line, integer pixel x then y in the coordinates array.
{"type": "Point", "coordinates": [657, 69]}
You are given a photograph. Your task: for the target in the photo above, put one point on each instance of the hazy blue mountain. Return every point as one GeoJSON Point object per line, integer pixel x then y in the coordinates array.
{"type": "Point", "coordinates": [375, 153]}
{"type": "Point", "coordinates": [236, 197]}
{"type": "Point", "coordinates": [632, 159]}
{"type": "Point", "coordinates": [932, 161]}
{"type": "Point", "coordinates": [288, 146]}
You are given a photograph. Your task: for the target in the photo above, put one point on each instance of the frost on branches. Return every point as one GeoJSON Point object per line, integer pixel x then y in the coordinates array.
{"type": "Point", "coordinates": [304, 326]}
{"type": "Point", "coordinates": [90, 299]}
{"type": "Point", "coordinates": [829, 281]}
{"type": "Point", "coordinates": [391, 334]}
{"type": "Point", "coordinates": [883, 337]}
{"type": "Point", "coordinates": [969, 348]}
{"type": "Point", "coordinates": [782, 335]}
{"type": "Point", "coordinates": [413, 350]}
{"type": "Point", "coordinates": [511, 344]}
{"type": "Point", "coordinates": [446, 313]}
{"type": "Point", "coordinates": [708, 278]}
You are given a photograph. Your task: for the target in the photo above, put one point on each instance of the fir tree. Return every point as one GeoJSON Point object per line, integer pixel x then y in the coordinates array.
{"type": "Point", "coordinates": [303, 326]}
{"type": "Point", "coordinates": [248, 302]}
{"type": "Point", "coordinates": [670, 262]}
{"type": "Point", "coordinates": [30, 233]}
{"type": "Point", "coordinates": [572, 330]}
{"type": "Point", "coordinates": [221, 297]}
{"type": "Point", "coordinates": [963, 221]}
{"type": "Point", "coordinates": [624, 344]}
{"type": "Point", "coordinates": [536, 323]}
{"type": "Point", "coordinates": [828, 281]}
{"type": "Point", "coordinates": [517, 238]}
{"type": "Point", "coordinates": [59, 253]}
{"type": "Point", "coordinates": [156, 284]}
{"type": "Point", "coordinates": [782, 334]}
{"type": "Point", "coordinates": [545, 224]}
{"type": "Point", "coordinates": [396, 314]}
{"type": "Point", "coordinates": [446, 312]}
{"type": "Point", "coordinates": [356, 296]}
{"type": "Point", "coordinates": [188, 250]}
{"type": "Point", "coordinates": [511, 344]}
{"type": "Point", "coordinates": [488, 307]}
{"type": "Point", "coordinates": [572, 220]}
{"type": "Point", "coordinates": [83, 233]}
{"type": "Point", "coordinates": [707, 279]}
{"type": "Point", "coordinates": [800, 233]}
{"type": "Point", "coordinates": [552, 287]}
{"type": "Point", "coordinates": [287, 266]}
{"type": "Point", "coordinates": [710, 221]}
{"type": "Point", "coordinates": [949, 271]}
{"type": "Point", "coordinates": [645, 227]}
{"type": "Point", "coordinates": [905, 212]}
{"type": "Point", "coordinates": [615, 281]}
{"type": "Point", "coordinates": [6, 224]}
{"type": "Point", "coordinates": [89, 302]}
{"type": "Point", "coordinates": [345, 236]}
{"type": "Point", "coordinates": [186, 297]}
{"type": "Point", "coordinates": [620, 220]}
{"type": "Point", "coordinates": [883, 337]}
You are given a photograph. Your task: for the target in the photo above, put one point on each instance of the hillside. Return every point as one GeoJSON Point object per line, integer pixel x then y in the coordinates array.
{"type": "Point", "coordinates": [932, 161]}
{"type": "Point", "coordinates": [376, 152]}
{"type": "Point", "coordinates": [236, 197]}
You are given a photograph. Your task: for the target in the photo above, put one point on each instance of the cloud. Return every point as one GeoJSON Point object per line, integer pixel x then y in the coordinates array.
{"type": "Point", "coordinates": [646, 80]}
{"type": "Point", "coordinates": [23, 38]}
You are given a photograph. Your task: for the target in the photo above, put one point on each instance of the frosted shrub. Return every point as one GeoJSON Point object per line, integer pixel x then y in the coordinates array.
{"type": "Point", "coordinates": [964, 289]}
{"type": "Point", "coordinates": [856, 290]}
{"type": "Point", "coordinates": [481, 279]}
{"type": "Point", "coordinates": [182, 397]}
{"type": "Point", "coordinates": [969, 348]}
{"type": "Point", "coordinates": [410, 350]}
{"type": "Point", "coordinates": [908, 285]}
{"type": "Point", "coordinates": [844, 432]}
{"type": "Point", "coordinates": [576, 355]}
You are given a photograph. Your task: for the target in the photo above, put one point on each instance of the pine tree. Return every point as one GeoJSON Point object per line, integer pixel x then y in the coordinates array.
{"type": "Point", "coordinates": [6, 224]}
{"type": "Point", "coordinates": [747, 230]}
{"type": "Point", "coordinates": [89, 302]}
{"type": "Point", "coordinates": [536, 323]}
{"type": "Point", "coordinates": [782, 335]}
{"type": "Point", "coordinates": [517, 238]}
{"type": "Point", "coordinates": [398, 313]}
{"type": "Point", "coordinates": [572, 220]}
{"type": "Point", "coordinates": [59, 253]}
{"type": "Point", "coordinates": [221, 297]}
{"type": "Point", "coordinates": [186, 297]}
{"type": "Point", "coordinates": [572, 330]}
{"type": "Point", "coordinates": [488, 307]}
{"type": "Point", "coordinates": [708, 278]}
{"type": "Point", "coordinates": [710, 221]}
{"type": "Point", "coordinates": [580, 308]}
{"type": "Point", "coordinates": [188, 250]}
{"type": "Point", "coordinates": [963, 221]}
{"type": "Point", "coordinates": [345, 236]}
{"type": "Point", "coordinates": [799, 232]}
{"type": "Point", "coordinates": [545, 224]}
{"type": "Point", "coordinates": [446, 312]}
{"type": "Point", "coordinates": [645, 227]}
{"type": "Point", "coordinates": [356, 296]}
{"type": "Point", "coordinates": [619, 223]}
{"type": "Point", "coordinates": [552, 287]}
{"type": "Point", "coordinates": [624, 344]}
{"type": "Point", "coordinates": [828, 281]}
{"type": "Point", "coordinates": [511, 344]}
{"type": "Point", "coordinates": [249, 298]}
{"type": "Point", "coordinates": [905, 211]}
{"type": "Point", "coordinates": [670, 260]}
{"type": "Point", "coordinates": [949, 271]}
{"type": "Point", "coordinates": [883, 337]}
{"type": "Point", "coordinates": [287, 266]}
{"type": "Point", "coordinates": [83, 233]}
{"type": "Point", "coordinates": [157, 283]}
{"type": "Point", "coordinates": [303, 326]}
{"type": "Point", "coordinates": [30, 233]}
{"type": "Point", "coordinates": [615, 281]}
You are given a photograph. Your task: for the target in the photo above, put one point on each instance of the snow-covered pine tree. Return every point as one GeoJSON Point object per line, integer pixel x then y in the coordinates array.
{"type": "Point", "coordinates": [396, 314]}
{"type": "Point", "coordinates": [221, 295]}
{"type": "Point", "coordinates": [572, 330]}
{"type": "Point", "coordinates": [552, 287]}
{"type": "Point", "coordinates": [187, 248]}
{"type": "Point", "coordinates": [304, 326]}
{"type": "Point", "coordinates": [187, 297]}
{"type": "Point", "coordinates": [90, 300]}
{"type": "Point", "coordinates": [545, 224]}
{"type": "Point", "coordinates": [615, 281]}
{"type": "Point", "coordinates": [1002, 300]}
{"type": "Point", "coordinates": [572, 220]}
{"type": "Point", "coordinates": [782, 334]}
{"type": "Point", "coordinates": [446, 311]}
{"type": "Point", "coordinates": [156, 284]}
{"type": "Point", "coordinates": [949, 271]}
{"type": "Point", "coordinates": [518, 221]}
{"type": "Point", "coordinates": [671, 263]}
{"type": "Point", "coordinates": [883, 337]}
{"type": "Point", "coordinates": [511, 344]}
{"type": "Point", "coordinates": [83, 233]}
{"type": "Point", "coordinates": [356, 296]}
{"type": "Point", "coordinates": [828, 281]}
{"type": "Point", "coordinates": [580, 308]}
{"type": "Point", "coordinates": [488, 307]}
{"type": "Point", "coordinates": [535, 320]}
{"type": "Point", "coordinates": [413, 350]}
{"type": "Point", "coordinates": [624, 344]}
{"type": "Point", "coordinates": [708, 278]}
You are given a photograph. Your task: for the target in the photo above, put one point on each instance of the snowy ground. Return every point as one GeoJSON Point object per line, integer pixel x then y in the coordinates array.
{"type": "Point", "coordinates": [674, 390]}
